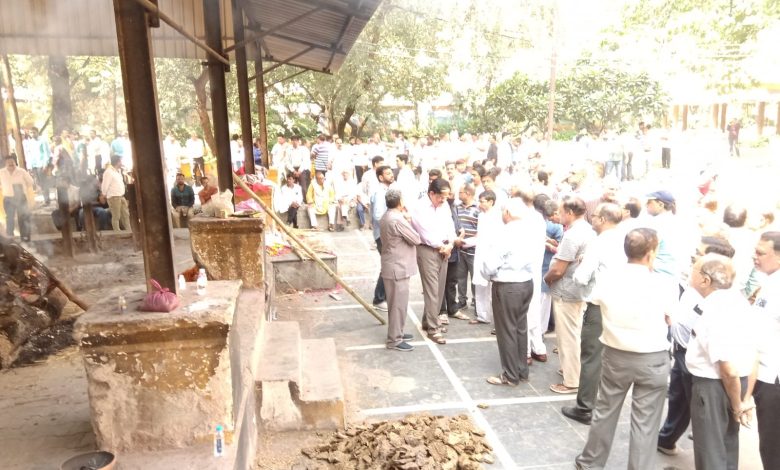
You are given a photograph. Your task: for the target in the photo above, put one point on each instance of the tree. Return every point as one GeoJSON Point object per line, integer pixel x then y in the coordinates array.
{"type": "Point", "coordinates": [709, 39]}
{"type": "Point", "coordinates": [518, 103]}
{"type": "Point", "coordinates": [596, 97]}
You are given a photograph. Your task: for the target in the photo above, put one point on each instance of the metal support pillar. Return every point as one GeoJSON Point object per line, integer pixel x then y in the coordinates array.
{"type": "Point", "coordinates": [723, 110]}
{"type": "Point", "coordinates": [715, 114]}
{"type": "Point", "coordinates": [243, 88]}
{"type": "Point", "coordinates": [219, 114]}
{"type": "Point", "coordinates": [134, 39]}
{"type": "Point", "coordinates": [261, 116]}
{"type": "Point", "coordinates": [685, 117]}
{"type": "Point", "coordinates": [4, 150]}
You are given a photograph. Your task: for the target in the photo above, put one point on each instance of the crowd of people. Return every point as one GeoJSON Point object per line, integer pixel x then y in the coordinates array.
{"type": "Point", "coordinates": [639, 297]}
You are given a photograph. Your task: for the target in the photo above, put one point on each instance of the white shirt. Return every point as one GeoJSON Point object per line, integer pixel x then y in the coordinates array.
{"type": "Point", "coordinates": [297, 158]}
{"type": "Point", "coordinates": [685, 317]}
{"type": "Point", "coordinates": [345, 189]}
{"type": "Point", "coordinates": [489, 225]}
{"type": "Point", "coordinates": [434, 225]}
{"type": "Point", "coordinates": [634, 302]}
{"type": "Point", "coordinates": [602, 253]}
{"type": "Point", "coordinates": [195, 148]}
{"type": "Point", "coordinates": [722, 333]}
{"type": "Point", "coordinates": [512, 257]}
{"type": "Point", "coordinates": [767, 311]}
{"type": "Point", "coordinates": [19, 176]}
{"type": "Point", "coordinates": [113, 185]}
{"type": "Point", "coordinates": [287, 196]}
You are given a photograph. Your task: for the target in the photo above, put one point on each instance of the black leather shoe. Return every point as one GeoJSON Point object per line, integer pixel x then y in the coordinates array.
{"type": "Point", "coordinates": [572, 412]}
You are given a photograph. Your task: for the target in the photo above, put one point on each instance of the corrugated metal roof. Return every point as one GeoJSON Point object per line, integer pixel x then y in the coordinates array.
{"type": "Point", "coordinates": [87, 28]}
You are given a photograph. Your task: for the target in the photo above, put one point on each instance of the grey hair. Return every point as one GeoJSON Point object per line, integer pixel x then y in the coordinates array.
{"type": "Point", "coordinates": [393, 198]}
{"type": "Point", "coordinates": [719, 269]}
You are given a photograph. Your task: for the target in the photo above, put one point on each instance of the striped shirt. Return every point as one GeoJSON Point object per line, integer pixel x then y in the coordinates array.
{"type": "Point", "coordinates": [321, 153]}
{"type": "Point", "coordinates": [468, 217]}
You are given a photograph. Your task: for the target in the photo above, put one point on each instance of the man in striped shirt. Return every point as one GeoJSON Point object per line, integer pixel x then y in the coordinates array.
{"type": "Point", "coordinates": [320, 152]}
{"type": "Point", "coordinates": [468, 212]}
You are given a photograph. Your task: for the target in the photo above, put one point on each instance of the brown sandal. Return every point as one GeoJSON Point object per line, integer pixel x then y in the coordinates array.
{"type": "Point", "coordinates": [437, 338]}
{"type": "Point", "coordinates": [500, 380]}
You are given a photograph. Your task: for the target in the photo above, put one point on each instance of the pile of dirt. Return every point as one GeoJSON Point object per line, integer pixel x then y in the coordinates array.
{"type": "Point", "coordinates": [417, 442]}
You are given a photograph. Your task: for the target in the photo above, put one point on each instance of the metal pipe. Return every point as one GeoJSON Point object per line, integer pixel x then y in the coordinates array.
{"type": "Point", "coordinates": [152, 8]}
{"type": "Point", "coordinates": [262, 121]}
{"type": "Point", "coordinates": [289, 77]}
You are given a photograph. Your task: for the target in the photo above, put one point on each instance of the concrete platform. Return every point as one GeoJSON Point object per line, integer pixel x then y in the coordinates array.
{"type": "Point", "coordinates": [293, 274]}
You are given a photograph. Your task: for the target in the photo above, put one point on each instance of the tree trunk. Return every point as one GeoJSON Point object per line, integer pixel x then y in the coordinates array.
{"type": "Point", "coordinates": [348, 113]}
{"type": "Point", "coordinates": [62, 107]}
{"type": "Point", "coordinates": [203, 112]}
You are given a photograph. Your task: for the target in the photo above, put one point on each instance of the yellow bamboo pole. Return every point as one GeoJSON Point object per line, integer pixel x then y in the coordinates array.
{"type": "Point", "coordinates": [309, 251]}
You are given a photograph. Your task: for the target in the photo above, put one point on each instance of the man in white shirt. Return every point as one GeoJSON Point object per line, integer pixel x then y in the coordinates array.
{"type": "Point", "coordinates": [279, 153]}
{"type": "Point", "coordinates": [113, 190]}
{"type": "Point", "coordinates": [603, 253]}
{"type": "Point", "coordinates": [346, 190]}
{"type": "Point", "coordinates": [297, 161]}
{"type": "Point", "coordinates": [767, 309]}
{"type": "Point", "coordinates": [635, 303]}
{"type": "Point", "coordinates": [432, 219]}
{"type": "Point", "coordinates": [488, 228]}
{"type": "Point", "coordinates": [722, 358]}
{"type": "Point", "coordinates": [290, 199]}
{"type": "Point", "coordinates": [511, 266]}
{"type": "Point", "coordinates": [16, 184]}
{"type": "Point", "coordinates": [195, 150]}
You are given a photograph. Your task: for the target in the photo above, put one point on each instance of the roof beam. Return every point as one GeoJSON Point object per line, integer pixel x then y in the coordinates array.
{"type": "Point", "coordinates": [310, 69]}
{"type": "Point", "coordinates": [256, 36]}
{"type": "Point", "coordinates": [155, 10]}
{"type": "Point", "coordinates": [340, 41]}
{"type": "Point", "coordinates": [335, 8]}
{"type": "Point", "coordinates": [289, 77]}
{"type": "Point", "coordinates": [288, 60]}
{"type": "Point", "coordinates": [302, 42]}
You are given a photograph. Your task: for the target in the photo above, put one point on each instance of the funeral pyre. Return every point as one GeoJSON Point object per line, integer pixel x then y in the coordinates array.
{"type": "Point", "coordinates": [31, 305]}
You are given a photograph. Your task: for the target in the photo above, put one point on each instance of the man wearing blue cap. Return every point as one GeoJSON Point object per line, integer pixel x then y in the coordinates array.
{"type": "Point", "coordinates": [670, 259]}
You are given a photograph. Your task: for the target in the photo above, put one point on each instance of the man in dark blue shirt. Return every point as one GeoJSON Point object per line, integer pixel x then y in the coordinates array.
{"type": "Point", "coordinates": [182, 201]}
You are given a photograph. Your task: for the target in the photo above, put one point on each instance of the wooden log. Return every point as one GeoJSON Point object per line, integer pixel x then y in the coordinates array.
{"type": "Point", "coordinates": [307, 250]}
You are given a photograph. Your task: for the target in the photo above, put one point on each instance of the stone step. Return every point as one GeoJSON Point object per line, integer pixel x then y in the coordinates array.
{"type": "Point", "coordinates": [279, 376]}
{"type": "Point", "coordinates": [281, 354]}
{"type": "Point", "coordinates": [321, 393]}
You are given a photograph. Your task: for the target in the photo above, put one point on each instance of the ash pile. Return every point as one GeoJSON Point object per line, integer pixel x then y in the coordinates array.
{"type": "Point", "coordinates": [417, 442]}
{"type": "Point", "coordinates": [31, 309]}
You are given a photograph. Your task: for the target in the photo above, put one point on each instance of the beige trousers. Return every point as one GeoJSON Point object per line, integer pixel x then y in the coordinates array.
{"type": "Point", "coordinates": [568, 327]}
{"type": "Point", "coordinates": [119, 212]}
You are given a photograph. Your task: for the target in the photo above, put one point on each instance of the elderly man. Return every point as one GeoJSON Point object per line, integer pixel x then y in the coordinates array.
{"type": "Point", "coordinates": [568, 296]}
{"type": "Point", "coordinates": [723, 360]}
{"type": "Point", "coordinates": [398, 264]}
{"type": "Point", "coordinates": [635, 303]}
{"type": "Point", "coordinates": [432, 219]}
{"type": "Point", "coordinates": [767, 309]}
{"type": "Point", "coordinates": [321, 199]}
{"type": "Point", "coordinates": [604, 253]}
{"type": "Point", "coordinates": [511, 266]}
{"type": "Point", "coordinates": [16, 184]}
{"type": "Point", "coordinates": [182, 201]}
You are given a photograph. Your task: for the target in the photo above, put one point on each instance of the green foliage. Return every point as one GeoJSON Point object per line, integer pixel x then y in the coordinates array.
{"type": "Point", "coordinates": [598, 97]}
{"type": "Point", "coordinates": [519, 101]}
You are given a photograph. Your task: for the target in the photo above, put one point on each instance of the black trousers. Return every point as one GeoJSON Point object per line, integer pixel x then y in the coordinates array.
{"type": "Point", "coordinates": [449, 303]}
{"type": "Point", "coordinates": [465, 274]}
{"type": "Point", "coordinates": [292, 217]}
{"type": "Point", "coordinates": [379, 290]}
{"type": "Point", "coordinates": [679, 414]}
{"type": "Point", "coordinates": [767, 397]}
{"type": "Point", "coordinates": [590, 358]}
{"type": "Point", "coordinates": [510, 314]}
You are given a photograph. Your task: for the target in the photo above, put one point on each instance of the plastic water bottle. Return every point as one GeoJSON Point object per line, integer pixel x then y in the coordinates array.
{"type": "Point", "coordinates": [122, 304]}
{"type": "Point", "coordinates": [202, 281]}
{"type": "Point", "coordinates": [219, 441]}
{"type": "Point", "coordinates": [182, 283]}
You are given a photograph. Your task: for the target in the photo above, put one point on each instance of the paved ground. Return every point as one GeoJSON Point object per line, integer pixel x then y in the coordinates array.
{"type": "Point", "coordinates": [524, 423]}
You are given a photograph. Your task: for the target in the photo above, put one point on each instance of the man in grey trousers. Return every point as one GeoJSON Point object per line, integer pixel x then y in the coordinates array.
{"type": "Point", "coordinates": [723, 360]}
{"type": "Point", "coordinates": [399, 263]}
{"type": "Point", "coordinates": [603, 253]}
{"type": "Point", "coordinates": [635, 303]}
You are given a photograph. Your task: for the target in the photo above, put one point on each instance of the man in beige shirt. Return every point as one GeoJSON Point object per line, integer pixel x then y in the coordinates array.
{"type": "Point", "coordinates": [16, 183]}
{"type": "Point", "coordinates": [113, 190]}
